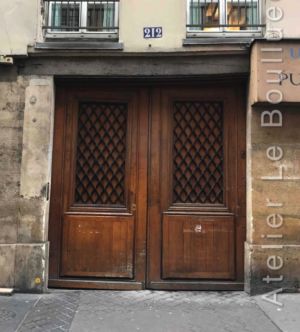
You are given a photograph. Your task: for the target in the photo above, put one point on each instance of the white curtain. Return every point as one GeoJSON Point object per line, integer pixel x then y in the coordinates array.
{"type": "Point", "coordinates": [108, 15]}
{"type": "Point", "coordinates": [56, 16]}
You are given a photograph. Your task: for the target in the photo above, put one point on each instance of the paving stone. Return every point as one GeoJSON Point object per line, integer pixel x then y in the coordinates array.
{"type": "Point", "coordinates": [52, 312]}
{"type": "Point", "coordinates": [7, 315]}
{"type": "Point", "coordinates": [13, 310]}
{"type": "Point", "coordinates": [158, 311]}
{"type": "Point", "coordinates": [287, 316]}
{"type": "Point", "coordinates": [146, 311]}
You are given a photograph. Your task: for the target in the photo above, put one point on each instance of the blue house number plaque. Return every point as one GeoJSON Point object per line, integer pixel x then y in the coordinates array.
{"type": "Point", "coordinates": [153, 32]}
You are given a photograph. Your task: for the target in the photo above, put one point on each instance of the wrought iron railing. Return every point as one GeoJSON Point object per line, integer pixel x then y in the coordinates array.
{"type": "Point", "coordinates": [81, 16]}
{"type": "Point", "coordinates": [224, 15]}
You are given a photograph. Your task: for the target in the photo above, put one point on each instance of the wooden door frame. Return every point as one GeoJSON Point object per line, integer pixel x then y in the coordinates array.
{"type": "Point", "coordinates": [142, 245]}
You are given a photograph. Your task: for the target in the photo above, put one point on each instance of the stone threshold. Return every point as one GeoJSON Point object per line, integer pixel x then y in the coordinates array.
{"type": "Point", "coordinates": [6, 291]}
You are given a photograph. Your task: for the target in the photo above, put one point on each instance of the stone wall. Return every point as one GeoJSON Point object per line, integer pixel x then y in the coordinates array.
{"type": "Point", "coordinates": [273, 170]}
{"type": "Point", "coordinates": [12, 104]}
{"type": "Point", "coordinates": [26, 105]}
{"type": "Point", "coordinates": [273, 238]}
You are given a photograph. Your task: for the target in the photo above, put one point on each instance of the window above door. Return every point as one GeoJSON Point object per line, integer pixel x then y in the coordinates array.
{"type": "Point", "coordinates": [81, 19]}
{"type": "Point", "coordinates": [237, 18]}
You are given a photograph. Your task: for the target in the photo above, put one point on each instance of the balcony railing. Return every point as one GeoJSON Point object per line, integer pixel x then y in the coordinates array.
{"type": "Point", "coordinates": [224, 16]}
{"type": "Point", "coordinates": [81, 17]}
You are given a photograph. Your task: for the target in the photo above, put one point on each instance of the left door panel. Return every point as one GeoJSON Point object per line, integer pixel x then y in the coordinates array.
{"type": "Point", "coordinates": [93, 222]}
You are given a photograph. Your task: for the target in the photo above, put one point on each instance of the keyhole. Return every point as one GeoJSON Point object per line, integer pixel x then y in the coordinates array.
{"type": "Point", "coordinates": [198, 228]}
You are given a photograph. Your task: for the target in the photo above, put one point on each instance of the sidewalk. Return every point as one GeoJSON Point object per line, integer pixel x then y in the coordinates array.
{"type": "Point", "coordinates": [158, 311]}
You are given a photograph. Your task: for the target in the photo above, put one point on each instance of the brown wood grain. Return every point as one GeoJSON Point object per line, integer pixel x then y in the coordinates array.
{"type": "Point", "coordinates": [150, 240]}
{"type": "Point", "coordinates": [175, 250]}
{"type": "Point", "coordinates": [95, 239]}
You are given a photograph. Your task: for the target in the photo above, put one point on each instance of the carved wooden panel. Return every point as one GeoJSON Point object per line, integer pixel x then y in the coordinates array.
{"type": "Point", "coordinates": [198, 152]}
{"type": "Point", "coordinates": [99, 246]}
{"type": "Point", "coordinates": [204, 246]}
{"type": "Point", "coordinates": [101, 153]}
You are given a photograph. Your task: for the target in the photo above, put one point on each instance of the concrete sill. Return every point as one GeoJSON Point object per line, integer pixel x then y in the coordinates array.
{"type": "Point", "coordinates": [79, 45]}
{"type": "Point", "coordinates": [244, 42]}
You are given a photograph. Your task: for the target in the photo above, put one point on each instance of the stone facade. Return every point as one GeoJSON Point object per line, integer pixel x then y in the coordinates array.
{"type": "Point", "coordinates": [12, 104]}
{"type": "Point", "coordinates": [27, 98]}
{"type": "Point", "coordinates": [274, 220]}
{"type": "Point", "coordinates": [26, 126]}
{"type": "Point", "coordinates": [273, 141]}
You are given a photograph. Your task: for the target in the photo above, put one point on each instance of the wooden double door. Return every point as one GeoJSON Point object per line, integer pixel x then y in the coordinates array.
{"type": "Point", "coordinates": [148, 187]}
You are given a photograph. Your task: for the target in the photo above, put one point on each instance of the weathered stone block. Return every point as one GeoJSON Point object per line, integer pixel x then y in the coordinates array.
{"type": "Point", "coordinates": [12, 102]}
{"type": "Point", "coordinates": [7, 265]}
{"type": "Point", "coordinates": [9, 186]}
{"type": "Point", "coordinates": [38, 122]}
{"type": "Point", "coordinates": [257, 269]}
{"type": "Point", "coordinates": [12, 94]}
{"type": "Point", "coordinates": [32, 217]}
{"type": "Point", "coordinates": [273, 200]}
{"type": "Point", "coordinates": [288, 133]}
{"type": "Point", "coordinates": [8, 226]}
{"type": "Point", "coordinates": [31, 270]}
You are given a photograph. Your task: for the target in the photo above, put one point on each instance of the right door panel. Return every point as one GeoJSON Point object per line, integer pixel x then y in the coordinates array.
{"type": "Point", "coordinates": [196, 246]}
{"type": "Point", "coordinates": [196, 203]}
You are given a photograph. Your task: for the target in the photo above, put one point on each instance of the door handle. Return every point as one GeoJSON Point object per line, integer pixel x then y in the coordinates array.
{"type": "Point", "coordinates": [133, 207]}
{"type": "Point", "coordinates": [132, 202]}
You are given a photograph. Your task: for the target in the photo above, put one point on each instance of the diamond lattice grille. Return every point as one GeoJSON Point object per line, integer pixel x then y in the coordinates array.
{"type": "Point", "coordinates": [198, 152]}
{"type": "Point", "coordinates": [101, 154]}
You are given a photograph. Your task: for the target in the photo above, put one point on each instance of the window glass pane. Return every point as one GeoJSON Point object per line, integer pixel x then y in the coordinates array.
{"type": "Point", "coordinates": [65, 17]}
{"type": "Point", "coordinates": [100, 16]}
{"type": "Point", "coordinates": [204, 15]}
{"type": "Point", "coordinates": [242, 14]}
{"type": "Point", "coordinates": [220, 15]}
